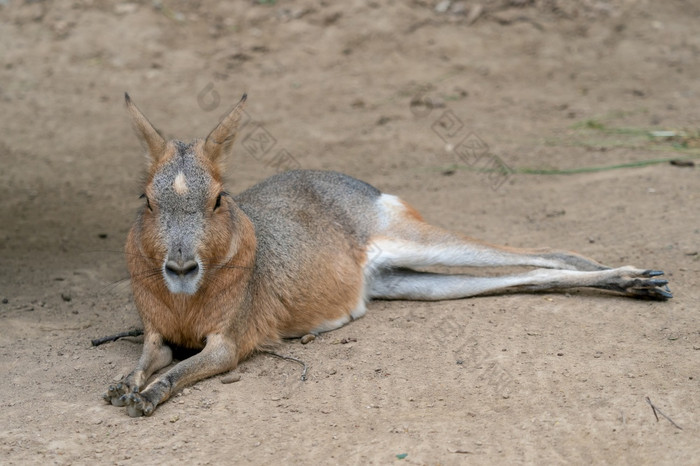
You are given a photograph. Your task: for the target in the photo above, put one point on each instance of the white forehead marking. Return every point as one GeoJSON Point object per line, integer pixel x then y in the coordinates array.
{"type": "Point", "coordinates": [180, 184]}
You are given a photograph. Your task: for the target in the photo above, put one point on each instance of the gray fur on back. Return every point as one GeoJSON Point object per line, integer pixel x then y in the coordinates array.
{"type": "Point", "coordinates": [302, 212]}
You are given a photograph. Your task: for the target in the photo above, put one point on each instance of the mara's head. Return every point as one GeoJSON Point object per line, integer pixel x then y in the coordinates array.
{"type": "Point", "coordinates": [185, 224]}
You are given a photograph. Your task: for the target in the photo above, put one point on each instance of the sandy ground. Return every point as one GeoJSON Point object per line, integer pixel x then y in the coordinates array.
{"type": "Point", "coordinates": [395, 93]}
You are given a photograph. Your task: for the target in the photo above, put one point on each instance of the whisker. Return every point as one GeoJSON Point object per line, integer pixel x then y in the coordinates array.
{"type": "Point", "coordinates": [147, 274]}
{"type": "Point", "coordinates": [124, 281]}
{"type": "Point", "coordinates": [156, 273]}
{"type": "Point", "coordinates": [227, 266]}
{"type": "Point", "coordinates": [110, 287]}
{"type": "Point", "coordinates": [120, 252]}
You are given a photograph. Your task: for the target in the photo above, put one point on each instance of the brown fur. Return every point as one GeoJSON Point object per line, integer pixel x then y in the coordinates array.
{"type": "Point", "coordinates": [410, 214]}
{"type": "Point", "coordinates": [180, 318]}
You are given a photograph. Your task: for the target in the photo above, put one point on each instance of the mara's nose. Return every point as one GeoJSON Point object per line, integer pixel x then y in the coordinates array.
{"type": "Point", "coordinates": [181, 269]}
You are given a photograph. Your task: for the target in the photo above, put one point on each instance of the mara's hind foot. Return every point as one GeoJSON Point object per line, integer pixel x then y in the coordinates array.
{"type": "Point", "coordinates": [637, 283]}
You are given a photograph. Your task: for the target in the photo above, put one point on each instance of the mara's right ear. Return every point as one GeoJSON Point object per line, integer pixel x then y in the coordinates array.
{"type": "Point", "coordinates": [147, 133]}
{"type": "Point", "coordinates": [221, 139]}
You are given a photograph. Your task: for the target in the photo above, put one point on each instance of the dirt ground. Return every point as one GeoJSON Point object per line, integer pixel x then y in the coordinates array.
{"type": "Point", "coordinates": [442, 103]}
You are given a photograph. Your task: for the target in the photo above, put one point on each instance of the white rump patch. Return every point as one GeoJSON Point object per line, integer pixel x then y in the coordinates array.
{"type": "Point", "coordinates": [388, 206]}
{"type": "Point", "coordinates": [180, 184]}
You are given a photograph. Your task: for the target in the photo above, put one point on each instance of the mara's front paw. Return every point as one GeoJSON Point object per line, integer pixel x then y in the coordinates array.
{"type": "Point", "coordinates": [137, 405]}
{"type": "Point", "coordinates": [116, 393]}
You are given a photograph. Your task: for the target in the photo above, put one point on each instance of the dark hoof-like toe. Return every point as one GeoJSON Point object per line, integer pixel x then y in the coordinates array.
{"type": "Point", "coordinates": [650, 289]}
{"type": "Point", "coordinates": [652, 293]}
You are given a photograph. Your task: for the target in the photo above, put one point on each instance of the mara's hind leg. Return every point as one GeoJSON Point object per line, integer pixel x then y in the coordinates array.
{"type": "Point", "coordinates": [404, 239]}
{"type": "Point", "coordinates": [413, 285]}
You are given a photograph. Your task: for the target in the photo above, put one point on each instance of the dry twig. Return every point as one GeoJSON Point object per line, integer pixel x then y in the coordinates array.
{"type": "Point", "coordinates": [291, 358]}
{"type": "Point", "coordinates": [657, 410]}
{"type": "Point", "coordinates": [131, 333]}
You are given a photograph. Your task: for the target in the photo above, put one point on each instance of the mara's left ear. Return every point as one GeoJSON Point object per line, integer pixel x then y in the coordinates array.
{"type": "Point", "coordinates": [147, 133]}
{"type": "Point", "coordinates": [221, 139]}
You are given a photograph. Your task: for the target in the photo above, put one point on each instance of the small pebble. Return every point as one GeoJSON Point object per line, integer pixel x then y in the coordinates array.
{"type": "Point", "coordinates": [125, 8]}
{"type": "Point", "coordinates": [5, 300]}
{"type": "Point", "coordinates": [66, 296]}
{"type": "Point", "coordinates": [308, 338]}
{"type": "Point", "coordinates": [442, 7]}
{"type": "Point", "coordinates": [231, 378]}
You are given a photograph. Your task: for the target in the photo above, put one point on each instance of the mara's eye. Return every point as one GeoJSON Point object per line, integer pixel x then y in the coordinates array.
{"type": "Point", "coordinates": [148, 202]}
{"type": "Point", "coordinates": [218, 202]}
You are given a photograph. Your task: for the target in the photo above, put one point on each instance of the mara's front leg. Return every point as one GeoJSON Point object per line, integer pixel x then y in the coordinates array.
{"type": "Point", "coordinates": [219, 355]}
{"type": "Point", "coordinates": [155, 356]}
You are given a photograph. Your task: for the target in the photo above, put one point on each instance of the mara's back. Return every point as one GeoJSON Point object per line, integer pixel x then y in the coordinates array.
{"type": "Point", "coordinates": [312, 228]}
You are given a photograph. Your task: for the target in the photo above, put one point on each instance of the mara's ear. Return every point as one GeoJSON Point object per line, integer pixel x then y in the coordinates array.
{"type": "Point", "coordinates": [149, 136]}
{"type": "Point", "coordinates": [221, 139]}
